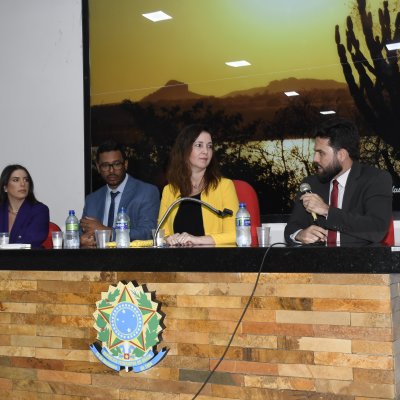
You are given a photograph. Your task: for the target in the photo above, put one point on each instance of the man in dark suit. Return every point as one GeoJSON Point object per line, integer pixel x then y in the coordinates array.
{"type": "Point", "coordinates": [362, 193]}
{"type": "Point", "coordinates": [141, 200]}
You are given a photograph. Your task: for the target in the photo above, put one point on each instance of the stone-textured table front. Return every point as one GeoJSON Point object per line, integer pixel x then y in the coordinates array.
{"type": "Point", "coordinates": [324, 323]}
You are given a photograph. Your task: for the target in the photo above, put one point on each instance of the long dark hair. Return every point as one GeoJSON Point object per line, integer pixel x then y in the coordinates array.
{"type": "Point", "coordinates": [179, 171]}
{"type": "Point", "coordinates": [5, 177]}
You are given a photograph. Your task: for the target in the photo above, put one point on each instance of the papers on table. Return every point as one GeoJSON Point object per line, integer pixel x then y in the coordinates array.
{"type": "Point", "coordinates": [15, 246]}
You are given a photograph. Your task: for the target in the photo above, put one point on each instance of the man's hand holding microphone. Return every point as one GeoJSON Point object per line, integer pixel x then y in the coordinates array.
{"type": "Point", "coordinates": [316, 206]}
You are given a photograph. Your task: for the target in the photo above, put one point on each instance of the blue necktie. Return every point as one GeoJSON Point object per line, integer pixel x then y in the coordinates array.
{"type": "Point", "coordinates": [110, 221]}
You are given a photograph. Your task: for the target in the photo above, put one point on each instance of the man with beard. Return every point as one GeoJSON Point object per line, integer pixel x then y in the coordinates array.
{"type": "Point", "coordinates": [362, 193]}
{"type": "Point", "coordinates": [141, 200]}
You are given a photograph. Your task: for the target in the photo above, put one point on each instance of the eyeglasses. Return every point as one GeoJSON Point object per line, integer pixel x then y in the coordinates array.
{"type": "Point", "coordinates": [116, 165]}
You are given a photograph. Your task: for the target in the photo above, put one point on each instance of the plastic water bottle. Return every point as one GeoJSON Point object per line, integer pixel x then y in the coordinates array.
{"type": "Point", "coordinates": [122, 228]}
{"type": "Point", "coordinates": [71, 231]}
{"type": "Point", "coordinates": [243, 226]}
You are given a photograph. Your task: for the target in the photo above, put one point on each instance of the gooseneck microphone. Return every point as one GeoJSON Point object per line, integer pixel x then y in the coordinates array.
{"type": "Point", "coordinates": [306, 188]}
{"type": "Point", "coordinates": [222, 213]}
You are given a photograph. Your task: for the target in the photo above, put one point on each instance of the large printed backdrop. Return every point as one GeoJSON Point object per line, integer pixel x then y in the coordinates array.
{"type": "Point", "coordinates": [148, 80]}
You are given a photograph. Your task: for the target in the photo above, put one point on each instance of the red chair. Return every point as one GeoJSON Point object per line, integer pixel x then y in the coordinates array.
{"type": "Point", "coordinates": [48, 243]}
{"type": "Point", "coordinates": [388, 240]}
{"type": "Point", "coordinates": [247, 194]}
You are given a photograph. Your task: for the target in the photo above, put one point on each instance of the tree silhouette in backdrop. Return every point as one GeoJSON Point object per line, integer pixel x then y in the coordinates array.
{"type": "Point", "coordinates": [377, 93]}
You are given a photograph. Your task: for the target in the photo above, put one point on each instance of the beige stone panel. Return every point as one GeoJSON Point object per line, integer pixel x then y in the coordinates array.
{"type": "Point", "coordinates": [23, 308]}
{"type": "Point", "coordinates": [313, 317]}
{"type": "Point", "coordinates": [353, 332]}
{"type": "Point", "coordinates": [141, 395]}
{"type": "Point", "coordinates": [373, 320]}
{"type": "Point", "coordinates": [322, 344]}
{"type": "Point", "coordinates": [63, 286]}
{"type": "Point", "coordinates": [201, 277]}
{"type": "Point", "coordinates": [5, 340]}
{"type": "Point", "coordinates": [157, 373]}
{"type": "Point", "coordinates": [254, 315]}
{"type": "Point", "coordinates": [37, 341]}
{"type": "Point", "coordinates": [63, 354]}
{"type": "Point", "coordinates": [90, 276]}
{"type": "Point", "coordinates": [239, 289]}
{"type": "Point", "coordinates": [209, 301]}
{"type": "Point", "coordinates": [14, 285]}
{"type": "Point", "coordinates": [17, 373]}
{"type": "Point", "coordinates": [316, 371]}
{"type": "Point", "coordinates": [193, 289]}
{"type": "Point", "coordinates": [373, 376]}
{"type": "Point", "coordinates": [92, 392]}
{"type": "Point", "coordinates": [352, 279]}
{"type": "Point", "coordinates": [370, 347]}
{"type": "Point", "coordinates": [19, 395]}
{"type": "Point", "coordinates": [184, 337]}
{"type": "Point", "coordinates": [306, 385]}
{"type": "Point", "coordinates": [266, 382]}
{"type": "Point", "coordinates": [5, 317]}
{"type": "Point", "coordinates": [62, 309]}
{"type": "Point", "coordinates": [35, 275]}
{"type": "Point", "coordinates": [63, 331]}
{"type": "Point", "coordinates": [241, 340]}
{"type": "Point", "coordinates": [370, 292]}
{"type": "Point", "coordinates": [51, 396]}
{"type": "Point", "coordinates": [355, 388]}
{"type": "Point", "coordinates": [313, 291]}
{"type": "Point", "coordinates": [62, 376]}
{"type": "Point", "coordinates": [189, 326]}
{"type": "Point", "coordinates": [182, 362]}
{"type": "Point", "coordinates": [11, 329]}
{"type": "Point", "coordinates": [224, 392]}
{"type": "Point", "coordinates": [77, 321]}
{"type": "Point", "coordinates": [5, 384]}
{"type": "Point", "coordinates": [276, 277]}
{"type": "Point", "coordinates": [354, 360]}
{"type": "Point", "coordinates": [185, 313]}
{"type": "Point", "coordinates": [355, 305]}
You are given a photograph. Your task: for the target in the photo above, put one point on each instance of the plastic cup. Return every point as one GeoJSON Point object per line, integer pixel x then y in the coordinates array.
{"type": "Point", "coordinates": [102, 237]}
{"type": "Point", "coordinates": [160, 237]}
{"type": "Point", "coordinates": [263, 235]}
{"type": "Point", "coordinates": [4, 238]}
{"type": "Point", "coordinates": [57, 238]}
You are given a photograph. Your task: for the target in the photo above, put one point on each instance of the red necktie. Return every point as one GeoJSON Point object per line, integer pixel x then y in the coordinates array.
{"type": "Point", "coordinates": [334, 203]}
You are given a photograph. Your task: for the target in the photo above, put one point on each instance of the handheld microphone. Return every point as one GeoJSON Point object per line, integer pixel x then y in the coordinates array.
{"type": "Point", "coordinates": [222, 213]}
{"type": "Point", "coordinates": [306, 188]}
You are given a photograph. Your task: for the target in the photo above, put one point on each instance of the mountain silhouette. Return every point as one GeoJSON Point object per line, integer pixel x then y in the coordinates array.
{"type": "Point", "coordinates": [288, 84]}
{"type": "Point", "coordinates": [173, 90]}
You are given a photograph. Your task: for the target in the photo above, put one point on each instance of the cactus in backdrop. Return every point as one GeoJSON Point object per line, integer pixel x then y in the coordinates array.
{"type": "Point", "coordinates": [377, 93]}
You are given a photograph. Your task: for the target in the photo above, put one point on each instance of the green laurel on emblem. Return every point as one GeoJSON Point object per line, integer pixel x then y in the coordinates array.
{"type": "Point", "coordinates": [128, 327]}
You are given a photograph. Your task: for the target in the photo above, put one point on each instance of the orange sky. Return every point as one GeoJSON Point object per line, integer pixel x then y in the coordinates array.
{"type": "Point", "coordinates": [131, 56]}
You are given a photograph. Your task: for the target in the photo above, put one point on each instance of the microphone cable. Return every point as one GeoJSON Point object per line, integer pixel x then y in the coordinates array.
{"type": "Point", "coordinates": [239, 321]}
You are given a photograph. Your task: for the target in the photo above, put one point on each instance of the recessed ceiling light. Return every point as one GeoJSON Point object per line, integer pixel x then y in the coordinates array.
{"type": "Point", "coordinates": [157, 16]}
{"type": "Point", "coordinates": [235, 64]}
{"type": "Point", "coordinates": [393, 46]}
{"type": "Point", "coordinates": [292, 93]}
{"type": "Point", "coordinates": [328, 112]}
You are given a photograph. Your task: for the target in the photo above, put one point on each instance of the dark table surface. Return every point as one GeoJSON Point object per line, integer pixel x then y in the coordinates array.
{"type": "Point", "coordinates": [318, 259]}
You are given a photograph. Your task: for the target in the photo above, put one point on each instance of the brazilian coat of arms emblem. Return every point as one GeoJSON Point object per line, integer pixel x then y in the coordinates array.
{"type": "Point", "coordinates": [128, 327]}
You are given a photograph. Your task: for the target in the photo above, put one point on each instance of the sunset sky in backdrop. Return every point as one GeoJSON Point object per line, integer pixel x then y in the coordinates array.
{"type": "Point", "coordinates": [131, 57]}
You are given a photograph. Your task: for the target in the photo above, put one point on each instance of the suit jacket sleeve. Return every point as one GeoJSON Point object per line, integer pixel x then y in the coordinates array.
{"type": "Point", "coordinates": [367, 208]}
{"type": "Point", "coordinates": [143, 211]}
{"type": "Point", "coordinates": [32, 226]}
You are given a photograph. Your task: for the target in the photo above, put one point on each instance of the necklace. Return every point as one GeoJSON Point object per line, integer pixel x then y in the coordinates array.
{"type": "Point", "coordinates": [11, 211]}
{"type": "Point", "coordinates": [198, 186]}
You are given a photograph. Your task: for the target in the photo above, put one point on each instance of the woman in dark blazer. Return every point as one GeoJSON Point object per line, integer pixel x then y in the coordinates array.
{"type": "Point", "coordinates": [25, 218]}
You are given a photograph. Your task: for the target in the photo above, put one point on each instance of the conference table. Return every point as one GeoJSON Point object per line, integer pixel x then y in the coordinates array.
{"type": "Point", "coordinates": [323, 322]}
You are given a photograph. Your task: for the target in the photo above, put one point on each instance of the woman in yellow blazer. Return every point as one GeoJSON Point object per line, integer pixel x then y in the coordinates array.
{"type": "Point", "coordinates": [193, 172]}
